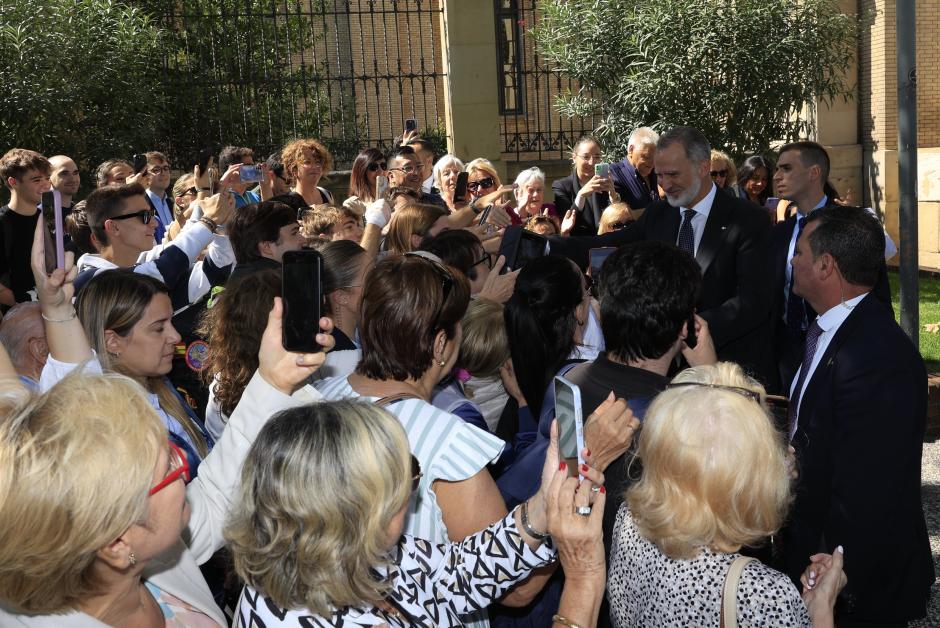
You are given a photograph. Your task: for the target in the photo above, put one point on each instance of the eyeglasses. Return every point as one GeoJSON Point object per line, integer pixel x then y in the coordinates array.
{"type": "Point", "coordinates": [447, 284]}
{"type": "Point", "coordinates": [488, 182]}
{"type": "Point", "coordinates": [591, 157]}
{"type": "Point", "coordinates": [145, 215]}
{"type": "Point", "coordinates": [753, 395]}
{"type": "Point", "coordinates": [718, 173]}
{"type": "Point", "coordinates": [486, 259]}
{"type": "Point", "coordinates": [409, 169]}
{"type": "Point", "coordinates": [158, 170]}
{"type": "Point", "coordinates": [416, 473]}
{"type": "Point", "coordinates": [617, 226]}
{"type": "Point", "coordinates": [179, 467]}
{"type": "Point", "coordinates": [378, 166]}
{"type": "Point", "coordinates": [191, 190]}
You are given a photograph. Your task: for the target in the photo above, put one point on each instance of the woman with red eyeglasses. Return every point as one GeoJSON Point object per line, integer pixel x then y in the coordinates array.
{"type": "Point", "coordinates": [99, 528]}
{"type": "Point", "coordinates": [367, 167]}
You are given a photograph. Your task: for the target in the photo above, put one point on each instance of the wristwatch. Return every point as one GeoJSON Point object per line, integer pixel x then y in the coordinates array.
{"type": "Point", "coordinates": [473, 206]}
{"type": "Point", "coordinates": [211, 224]}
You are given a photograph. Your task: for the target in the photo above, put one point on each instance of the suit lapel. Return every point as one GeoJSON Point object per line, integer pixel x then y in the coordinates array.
{"type": "Point", "coordinates": [716, 228]}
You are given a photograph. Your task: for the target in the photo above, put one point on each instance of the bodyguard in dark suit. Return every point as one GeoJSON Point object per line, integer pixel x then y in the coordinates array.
{"type": "Point", "coordinates": [588, 195]}
{"type": "Point", "coordinates": [857, 416]}
{"type": "Point", "coordinates": [728, 238]}
{"type": "Point", "coordinates": [801, 175]}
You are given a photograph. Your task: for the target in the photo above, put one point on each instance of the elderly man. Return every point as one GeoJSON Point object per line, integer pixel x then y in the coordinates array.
{"type": "Point", "coordinates": [634, 177]}
{"type": "Point", "coordinates": [23, 336]}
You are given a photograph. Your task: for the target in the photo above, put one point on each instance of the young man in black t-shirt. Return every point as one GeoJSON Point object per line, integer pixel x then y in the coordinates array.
{"type": "Point", "coordinates": [26, 174]}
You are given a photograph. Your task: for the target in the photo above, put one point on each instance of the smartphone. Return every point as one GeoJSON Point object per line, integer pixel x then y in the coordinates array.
{"type": "Point", "coordinates": [570, 425]}
{"type": "Point", "coordinates": [205, 156]}
{"type": "Point", "coordinates": [519, 247]}
{"type": "Point", "coordinates": [460, 191]}
{"type": "Point", "coordinates": [301, 293]}
{"type": "Point", "coordinates": [250, 174]}
{"type": "Point", "coordinates": [690, 338]}
{"type": "Point", "coordinates": [52, 206]}
{"type": "Point", "coordinates": [771, 202]}
{"type": "Point", "coordinates": [381, 186]}
{"type": "Point", "coordinates": [602, 170]}
{"type": "Point", "coordinates": [212, 179]}
{"type": "Point", "coordinates": [140, 163]}
{"type": "Point", "coordinates": [411, 124]}
{"type": "Point", "coordinates": [597, 258]}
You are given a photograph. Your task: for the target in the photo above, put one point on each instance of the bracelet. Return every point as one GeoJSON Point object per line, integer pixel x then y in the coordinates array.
{"type": "Point", "coordinates": [208, 222]}
{"type": "Point", "coordinates": [540, 536]}
{"type": "Point", "coordinates": [58, 320]}
{"type": "Point", "coordinates": [564, 621]}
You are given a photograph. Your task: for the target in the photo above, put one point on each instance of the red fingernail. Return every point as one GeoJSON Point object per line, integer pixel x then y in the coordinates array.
{"type": "Point", "coordinates": [603, 490]}
{"type": "Point", "coordinates": [584, 468]}
{"type": "Point", "coordinates": [562, 465]}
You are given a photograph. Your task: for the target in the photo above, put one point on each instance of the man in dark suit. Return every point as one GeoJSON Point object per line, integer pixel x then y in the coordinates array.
{"type": "Point", "coordinates": [583, 192]}
{"type": "Point", "coordinates": [801, 175]}
{"type": "Point", "coordinates": [156, 193]}
{"type": "Point", "coordinates": [634, 177]}
{"type": "Point", "coordinates": [857, 417]}
{"type": "Point", "coordinates": [729, 239]}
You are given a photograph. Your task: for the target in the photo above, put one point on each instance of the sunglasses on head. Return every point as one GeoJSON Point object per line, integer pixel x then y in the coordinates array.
{"type": "Point", "coordinates": [378, 166]}
{"type": "Point", "coordinates": [447, 284]}
{"type": "Point", "coordinates": [482, 183]}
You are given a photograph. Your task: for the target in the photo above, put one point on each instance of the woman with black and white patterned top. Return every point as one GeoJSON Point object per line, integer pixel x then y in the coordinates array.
{"type": "Point", "coordinates": [317, 531]}
{"type": "Point", "coordinates": [715, 478]}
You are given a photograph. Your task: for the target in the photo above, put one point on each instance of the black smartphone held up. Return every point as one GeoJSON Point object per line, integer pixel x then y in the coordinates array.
{"type": "Point", "coordinates": [301, 294]}
{"type": "Point", "coordinates": [140, 163]}
{"type": "Point", "coordinates": [205, 155]}
{"type": "Point", "coordinates": [411, 124]}
{"type": "Point", "coordinates": [691, 339]}
{"type": "Point", "coordinates": [52, 209]}
{"type": "Point", "coordinates": [486, 214]}
{"type": "Point", "coordinates": [519, 247]}
{"type": "Point", "coordinates": [460, 191]}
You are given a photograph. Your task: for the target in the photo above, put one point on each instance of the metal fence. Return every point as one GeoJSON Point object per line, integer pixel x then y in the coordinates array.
{"type": "Point", "coordinates": [530, 127]}
{"type": "Point", "coordinates": [260, 72]}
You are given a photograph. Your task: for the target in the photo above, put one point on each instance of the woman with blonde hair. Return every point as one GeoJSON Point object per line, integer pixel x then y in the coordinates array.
{"type": "Point", "coordinates": [616, 217]}
{"type": "Point", "coordinates": [97, 524]}
{"type": "Point", "coordinates": [336, 556]}
{"type": "Point", "coordinates": [411, 224]}
{"type": "Point", "coordinates": [716, 477]}
{"type": "Point", "coordinates": [723, 172]}
{"type": "Point", "coordinates": [483, 178]}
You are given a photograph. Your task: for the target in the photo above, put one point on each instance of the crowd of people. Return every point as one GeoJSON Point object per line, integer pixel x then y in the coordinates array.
{"type": "Point", "coordinates": [753, 415]}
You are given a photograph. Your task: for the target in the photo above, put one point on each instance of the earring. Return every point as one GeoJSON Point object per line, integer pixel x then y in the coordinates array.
{"type": "Point", "coordinates": [580, 322]}
{"type": "Point", "coordinates": [442, 362]}
{"type": "Point", "coordinates": [132, 559]}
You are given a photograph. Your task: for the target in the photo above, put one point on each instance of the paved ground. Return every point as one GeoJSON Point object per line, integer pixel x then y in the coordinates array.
{"type": "Point", "coordinates": [931, 496]}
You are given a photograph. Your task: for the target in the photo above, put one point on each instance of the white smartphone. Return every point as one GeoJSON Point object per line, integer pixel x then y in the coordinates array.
{"type": "Point", "coordinates": [570, 425]}
{"type": "Point", "coordinates": [381, 186]}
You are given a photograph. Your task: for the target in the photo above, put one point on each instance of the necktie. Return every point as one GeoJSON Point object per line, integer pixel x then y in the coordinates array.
{"type": "Point", "coordinates": [686, 235]}
{"type": "Point", "coordinates": [812, 338]}
{"type": "Point", "coordinates": [796, 306]}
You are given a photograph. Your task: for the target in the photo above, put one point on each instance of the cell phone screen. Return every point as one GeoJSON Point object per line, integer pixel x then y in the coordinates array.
{"type": "Point", "coordinates": [570, 424]}
{"type": "Point", "coordinates": [301, 292]}
{"type": "Point", "coordinates": [381, 186]}
{"type": "Point", "coordinates": [250, 174]}
{"type": "Point", "coordinates": [598, 257]}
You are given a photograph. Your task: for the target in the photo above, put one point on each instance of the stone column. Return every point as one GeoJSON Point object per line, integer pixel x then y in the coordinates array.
{"type": "Point", "coordinates": [471, 97]}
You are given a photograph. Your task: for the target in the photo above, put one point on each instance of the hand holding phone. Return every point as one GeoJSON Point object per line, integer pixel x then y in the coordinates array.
{"type": "Point", "coordinates": [460, 188]}
{"type": "Point", "coordinates": [570, 420]}
{"type": "Point", "coordinates": [250, 174]}
{"type": "Point", "coordinates": [140, 163]}
{"type": "Point", "coordinates": [302, 295]}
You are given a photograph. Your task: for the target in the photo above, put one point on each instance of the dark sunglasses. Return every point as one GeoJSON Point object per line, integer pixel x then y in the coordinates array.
{"type": "Point", "coordinates": [191, 190]}
{"type": "Point", "coordinates": [378, 166]}
{"type": "Point", "coordinates": [482, 183]}
{"type": "Point", "coordinates": [416, 473]}
{"type": "Point", "coordinates": [145, 215]}
{"type": "Point", "coordinates": [744, 392]}
{"type": "Point", "coordinates": [447, 284]}
{"type": "Point", "coordinates": [617, 226]}
{"type": "Point", "coordinates": [718, 173]}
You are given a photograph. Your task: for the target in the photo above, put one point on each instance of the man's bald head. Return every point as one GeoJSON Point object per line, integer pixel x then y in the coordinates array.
{"type": "Point", "coordinates": [65, 176]}
{"type": "Point", "coordinates": [23, 336]}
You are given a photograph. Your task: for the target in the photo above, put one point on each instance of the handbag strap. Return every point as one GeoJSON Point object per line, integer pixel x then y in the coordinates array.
{"type": "Point", "coordinates": [729, 594]}
{"type": "Point", "coordinates": [390, 399]}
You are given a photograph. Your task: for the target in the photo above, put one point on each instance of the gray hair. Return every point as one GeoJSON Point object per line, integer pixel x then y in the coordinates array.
{"type": "Point", "coordinates": [21, 323]}
{"type": "Point", "coordinates": [528, 175]}
{"type": "Point", "coordinates": [443, 162]}
{"type": "Point", "coordinates": [696, 145]}
{"type": "Point", "coordinates": [643, 136]}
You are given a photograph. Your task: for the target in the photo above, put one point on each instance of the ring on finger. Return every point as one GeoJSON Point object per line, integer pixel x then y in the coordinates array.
{"type": "Point", "coordinates": [584, 511]}
{"type": "Point", "coordinates": [595, 489]}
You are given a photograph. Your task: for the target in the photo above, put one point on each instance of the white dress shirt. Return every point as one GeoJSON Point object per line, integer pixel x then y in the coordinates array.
{"type": "Point", "coordinates": [702, 209]}
{"type": "Point", "coordinates": [829, 322]}
{"type": "Point", "coordinates": [163, 211]}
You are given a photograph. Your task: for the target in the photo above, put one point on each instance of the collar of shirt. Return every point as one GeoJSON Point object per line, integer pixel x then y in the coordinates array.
{"type": "Point", "coordinates": [819, 205]}
{"type": "Point", "coordinates": [833, 318]}
{"type": "Point", "coordinates": [704, 206]}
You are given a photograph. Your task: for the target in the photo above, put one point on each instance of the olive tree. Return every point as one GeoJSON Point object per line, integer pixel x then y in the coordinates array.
{"type": "Point", "coordinates": [739, 70]}
{"type": "Point", "coordinates": [80, 77]}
